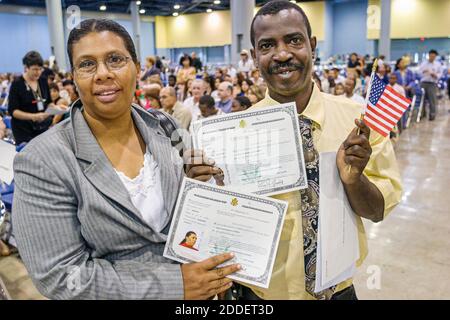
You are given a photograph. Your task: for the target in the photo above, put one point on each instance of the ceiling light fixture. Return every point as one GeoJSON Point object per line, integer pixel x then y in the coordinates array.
{"type": "Point", "coordinates": [177, 6]}
{"type": "Point", "coordinates": [209, 10]}
{"type": "Point", "coordinates": [175, 14]}
{"type": "Point", "coordinates": [138, 3]}
{"type": "Point", "coordinates": [216, 1]}
{"type": "Point", "coordinates": [102, 7]}
{"type": "Point", "coordinates": [142, 11]}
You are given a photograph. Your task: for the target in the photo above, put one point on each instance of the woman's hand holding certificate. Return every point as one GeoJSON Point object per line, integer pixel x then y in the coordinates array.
{"type": "Point", "coordinates": [210, 220]}
{"type": "Point", "coordinates": [202, 280]}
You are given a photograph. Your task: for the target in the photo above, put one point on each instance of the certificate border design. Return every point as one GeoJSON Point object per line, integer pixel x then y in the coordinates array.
{"type": "Point", "coordinates": [281, 207]}
{"type": "Point", "coordinates": [289, 109]}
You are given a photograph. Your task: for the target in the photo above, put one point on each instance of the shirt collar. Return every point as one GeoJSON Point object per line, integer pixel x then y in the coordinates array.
{"type": "Point", "coordinates": [314, 109]}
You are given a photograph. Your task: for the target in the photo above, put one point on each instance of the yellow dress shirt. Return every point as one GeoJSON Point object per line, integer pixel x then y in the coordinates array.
{"type": "Point", "coordinates": [333, 119]}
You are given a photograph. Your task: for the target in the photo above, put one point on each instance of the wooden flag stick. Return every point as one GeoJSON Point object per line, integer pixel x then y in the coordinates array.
{"type": "Point", "coordinates": [369, 88]}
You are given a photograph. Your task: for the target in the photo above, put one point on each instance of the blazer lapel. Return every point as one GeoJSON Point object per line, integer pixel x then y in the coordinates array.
{"type": "Point", "coordinates": [99, 171]}
{"type": "Point", "coordinates": [168, 162]}
{"type": "Point", "coordinates": [97, 167]}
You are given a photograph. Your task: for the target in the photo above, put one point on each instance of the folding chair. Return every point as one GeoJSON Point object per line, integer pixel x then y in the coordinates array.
{"type": "Point", "coordinates": [422, 100]}
{"type": "Point", "coordinates": [411, 111]}
{"type": "Point", "coordinates": [7, 121]}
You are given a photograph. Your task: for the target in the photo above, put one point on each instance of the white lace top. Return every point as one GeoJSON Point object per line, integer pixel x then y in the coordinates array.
{"type": "Point", "coordinates": [146, 193]}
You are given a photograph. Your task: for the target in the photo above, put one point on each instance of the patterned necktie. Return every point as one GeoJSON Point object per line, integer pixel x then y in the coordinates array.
{"type": "Point", "coordinates": [310, 210]}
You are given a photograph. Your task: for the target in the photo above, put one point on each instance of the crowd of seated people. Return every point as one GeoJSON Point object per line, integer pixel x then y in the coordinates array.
{"type": "Point", "coordinates": [191, 80]}
{"type": "Point", "coordinates": [220, 88]}
{"type": "Point", "coordinates": [352, 80]}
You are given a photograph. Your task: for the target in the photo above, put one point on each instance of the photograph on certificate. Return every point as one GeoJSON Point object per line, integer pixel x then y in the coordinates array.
{"type": "Point", "coordinates": [259, 151]}
{"type": "Point", "coordinates": [210, 220]}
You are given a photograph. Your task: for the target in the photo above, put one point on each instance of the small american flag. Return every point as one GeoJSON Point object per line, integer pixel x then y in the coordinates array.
{"type": "Point", "coordinates": [384, 108]}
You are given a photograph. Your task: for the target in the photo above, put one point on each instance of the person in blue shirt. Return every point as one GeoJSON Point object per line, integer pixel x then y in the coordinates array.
{"type": "Point", "coordinates": [404, 76]}
{"type": "Point", "coordinates": [225, 93]}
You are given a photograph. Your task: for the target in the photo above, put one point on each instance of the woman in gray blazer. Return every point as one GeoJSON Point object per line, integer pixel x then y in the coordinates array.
{"type": "Point", "coordinates": [95, 194]}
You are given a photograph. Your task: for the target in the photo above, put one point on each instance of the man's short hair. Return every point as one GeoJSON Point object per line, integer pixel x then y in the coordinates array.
{"type": "Point", "coordinates": [272, 8]}
{"type": "Point", "coordinates": [228, 84]}
{"type": "Point", "coordinates": [201, 81]}
{"type": "Point", "coordinates": [207, 101]}
{"type": "Point", "coordinates": [33, 58]}
{"type": "Point", "coordinates": [68, 83]}
{"type": "Point", "coordinates": [433, 51]}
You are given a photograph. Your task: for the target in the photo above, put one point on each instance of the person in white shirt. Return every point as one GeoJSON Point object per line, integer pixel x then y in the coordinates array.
{"type": "Point", "coordinates": [232, 71]}
{"type": "Point", "coordinates": [430, 71]}
{"type": "Point", "coordinates": [325, 83]}
{"type": "Point", "coordinates": [256, 77]}
{"type": "Point", "coordinates": [208, 108]}
{"type": "Point", "coordinates": [349, 87]}
{"type": "Point", "coordinates": [336, 76]}
{"type": "Point", "coordinates": [191, 103]}
{"type": "Point", "coordinates": [393, 83]}
{"type": "Point", "coordinates": [245, 64]}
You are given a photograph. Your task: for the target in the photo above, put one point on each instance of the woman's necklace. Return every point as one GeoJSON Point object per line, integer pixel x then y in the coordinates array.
{"type": "Point", "coordinates": [33, 85]}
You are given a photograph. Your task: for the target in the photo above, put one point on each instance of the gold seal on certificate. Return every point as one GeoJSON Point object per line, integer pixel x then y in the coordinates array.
{"type": "Point", "coordinates": [259, 151]}
{"type": "Point", "coordinates": [210, 220]}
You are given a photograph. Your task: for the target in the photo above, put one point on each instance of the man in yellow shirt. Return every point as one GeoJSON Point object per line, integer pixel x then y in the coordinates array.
{"type": "Point", "coordinates": [284, 52]}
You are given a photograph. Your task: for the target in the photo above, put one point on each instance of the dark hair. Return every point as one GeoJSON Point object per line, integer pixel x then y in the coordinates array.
{"type": "Point", "coordinates": [187, 235]}
{"type": "Point", "coordinates": [211, 81]}
{"type": "Point", "coordinates": [244, 101]}
{"type": "Point", "coordinates": [249, 82]}
{"type": "Point", "coordinates": [433, 51]}
{"type": "Point", "coordinates": [33, 58]}
{"type": "Point", "coordinates": [100, 25]}
{"type": "Point", "coordinates": [184, 57]}
{"type": "Point", "coordinates": [67, 83]}
{"type": "Point", "coordinates": [53, 86]}
{"type": "Point", "coordinates": [207, 101]}
{"type": "Point", "coordinates": [272, 8]}
{"type": "Point", "coordinates": [397, 64]}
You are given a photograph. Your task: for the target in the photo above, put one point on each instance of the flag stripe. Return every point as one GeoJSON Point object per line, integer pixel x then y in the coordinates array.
{"type": "Point", "coordinates": [398, 102]}
{"type": "Point", "coordinates": [380, 120]}
{"type": "Point", "coordinates": [403, 99]}
{"type": "Point", "coordinates": [383, 107]}
{"type": "Point", "coordinates": [391, 104]}
{"type": "Point", "coordinates": [374, 126]}
{"type": "Point", "coordinates": [392, 121]}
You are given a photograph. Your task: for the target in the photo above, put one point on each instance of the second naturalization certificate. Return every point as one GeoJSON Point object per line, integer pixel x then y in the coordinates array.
{"type": "Point", "coordinates": [210, 220]}
{"type": "Point", "coordinates": [259, 151]}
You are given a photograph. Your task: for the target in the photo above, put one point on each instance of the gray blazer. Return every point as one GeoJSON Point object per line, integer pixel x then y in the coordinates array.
{"type": "Point", "coordinates": [77, 230]}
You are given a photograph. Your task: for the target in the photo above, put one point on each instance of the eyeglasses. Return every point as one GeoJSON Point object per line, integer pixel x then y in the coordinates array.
{"type": "Point", "coordinates": [88, 67]}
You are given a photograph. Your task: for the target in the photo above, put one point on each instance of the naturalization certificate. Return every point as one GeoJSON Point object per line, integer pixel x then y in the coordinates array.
{"type": "Point", "coordinates": [210, 220]}
{"type": "Point", "coordinates": [258, 151]}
